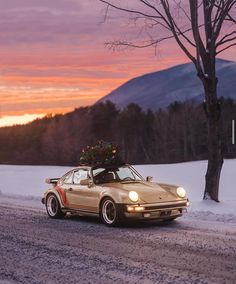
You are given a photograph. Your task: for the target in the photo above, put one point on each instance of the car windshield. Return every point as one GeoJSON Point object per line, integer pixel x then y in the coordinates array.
{"type": "Point", "coordinates": [115, 174]}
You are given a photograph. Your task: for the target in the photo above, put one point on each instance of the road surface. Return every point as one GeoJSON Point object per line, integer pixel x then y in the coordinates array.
{"type": "Point", "coordinates": [36, 249]}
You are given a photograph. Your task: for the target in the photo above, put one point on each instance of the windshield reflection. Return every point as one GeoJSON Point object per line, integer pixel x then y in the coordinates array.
{"type": "Point", "coordinates": [115, 174]}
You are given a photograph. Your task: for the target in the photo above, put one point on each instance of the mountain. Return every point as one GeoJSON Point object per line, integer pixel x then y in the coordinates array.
{"type": "Point", "coordinates": [179, 83]}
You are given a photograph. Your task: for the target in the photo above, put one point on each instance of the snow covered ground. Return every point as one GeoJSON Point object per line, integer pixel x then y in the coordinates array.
{"type": "Point", "coordinates": [191, 176]}
{"type": "Point", "coordinates": [24, 185]}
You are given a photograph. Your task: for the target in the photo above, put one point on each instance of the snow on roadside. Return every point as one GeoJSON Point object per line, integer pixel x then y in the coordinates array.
{"type": "Point", "coordinates": [24, 185]}
{"type": "Point", "coordinates": [27, 180]}
{"type": "Point", "coordinates": [191, 176]}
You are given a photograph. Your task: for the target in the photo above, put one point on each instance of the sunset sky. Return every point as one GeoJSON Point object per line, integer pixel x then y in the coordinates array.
{"type": "Point", "coordinates": [53, 58]}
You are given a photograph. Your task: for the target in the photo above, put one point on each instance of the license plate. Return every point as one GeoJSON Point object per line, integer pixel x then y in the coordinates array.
{"type": "Point", "coordinates": [165, 213]}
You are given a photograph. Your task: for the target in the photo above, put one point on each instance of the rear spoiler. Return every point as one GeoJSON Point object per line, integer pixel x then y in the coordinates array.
{"type": "Point", "coordinates": [52, 180]}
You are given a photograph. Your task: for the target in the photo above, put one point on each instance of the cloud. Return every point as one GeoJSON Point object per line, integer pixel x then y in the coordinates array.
{"type": "Point", "coordinates": [62, 5]}
{"type": "Point", "coordinates": [53, 22]}
{"type": "Point", "coordinates": [52, 54]}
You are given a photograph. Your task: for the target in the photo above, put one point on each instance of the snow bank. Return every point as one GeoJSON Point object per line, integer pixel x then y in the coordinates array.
{"type": "Point", "coordinates": [27, 183]}
{"type": "Point", "coordinates": [27, 180]}
{"type": "Point", "coordinates": [191, 176]}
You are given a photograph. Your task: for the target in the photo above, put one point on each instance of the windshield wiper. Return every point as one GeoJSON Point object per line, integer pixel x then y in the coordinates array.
{"type": "Point", "coordinates": [130, 181]}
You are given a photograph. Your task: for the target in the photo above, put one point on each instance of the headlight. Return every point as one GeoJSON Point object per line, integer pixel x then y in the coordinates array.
{"type": "Point", "coordinates": [181, 192]}
{"type": "Point", "coordinates": [133, 196]}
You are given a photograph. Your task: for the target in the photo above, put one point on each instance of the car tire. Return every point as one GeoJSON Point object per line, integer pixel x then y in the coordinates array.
{"type": "Point", "coordinates": [53, 207]}
{"type": "Point", "coordinates": [109, 213]}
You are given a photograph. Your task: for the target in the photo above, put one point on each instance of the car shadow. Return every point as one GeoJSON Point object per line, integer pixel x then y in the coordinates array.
{"type": "Point", "coordinates": [83, 219]}
{"type": "Point", "coordinates": [127, 224]}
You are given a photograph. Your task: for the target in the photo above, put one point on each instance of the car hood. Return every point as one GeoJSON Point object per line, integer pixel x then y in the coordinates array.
{"type": "Point", "coordinates": [149, 192]}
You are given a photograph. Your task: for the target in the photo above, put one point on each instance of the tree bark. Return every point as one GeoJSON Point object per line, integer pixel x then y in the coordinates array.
{"type": "Point", "coordinates": [215, 150]}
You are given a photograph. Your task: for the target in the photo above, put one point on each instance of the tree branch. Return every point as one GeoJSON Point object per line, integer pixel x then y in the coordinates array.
{"type": "Point", "coordinates": [200, 49]}
{"type": "Point", "coordinates": [114, 44]}
{"type": "Point", "coordinates": [165, 5]}
{"type": "Point", "coordinates": [182, 9]}
{"type": "Point", "coordinates": [226, 38]}
{"type": "Point", "coordinates": [129, 10]}
{"type": "Point", "coordinates": [224, 12]}
{"type": "Point", "coordinates": [230, 18]}
{"type": "Point", "coordinates": [227, 47]}
{"type": "Point", "coordinates": [153, 42]}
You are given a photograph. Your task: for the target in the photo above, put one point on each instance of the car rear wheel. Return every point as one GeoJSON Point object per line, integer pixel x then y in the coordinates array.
{"type": "Point", "coordinates": [53, 207]}
{"type": "Point", "coordinates": [109, 212]}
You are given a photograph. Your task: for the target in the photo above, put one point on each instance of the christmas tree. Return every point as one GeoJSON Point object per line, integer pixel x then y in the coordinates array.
{"type": "Point", "coordinates": [101, 154]}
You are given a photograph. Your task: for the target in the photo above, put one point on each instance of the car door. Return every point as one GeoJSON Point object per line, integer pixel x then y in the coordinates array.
{"type": "Point", "coordinates": [82, 197]}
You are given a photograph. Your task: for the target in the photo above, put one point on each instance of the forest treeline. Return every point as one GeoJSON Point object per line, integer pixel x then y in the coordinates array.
{"type": "Point", "coordinates": [175, 134]}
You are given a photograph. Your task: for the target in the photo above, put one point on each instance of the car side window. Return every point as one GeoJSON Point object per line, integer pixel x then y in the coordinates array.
{"type": "Point", "coordinates": [68, 178]}
{"type": "Point", "coordinates": [80, 175]}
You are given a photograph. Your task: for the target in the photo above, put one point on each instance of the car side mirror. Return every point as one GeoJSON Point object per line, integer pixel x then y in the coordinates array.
{"type": "Point", "coordinates": [149, 178]}
{"type": "Point", "coordinates": [87, 182]}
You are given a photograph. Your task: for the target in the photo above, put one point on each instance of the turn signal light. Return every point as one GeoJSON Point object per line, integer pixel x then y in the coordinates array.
{"type": "Point", "coordinates": [138, 209]}
{"type": "Point", "coordinates": [135, 208]}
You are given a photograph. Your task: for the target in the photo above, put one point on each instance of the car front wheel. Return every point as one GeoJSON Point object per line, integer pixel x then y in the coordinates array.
{"type": "Point", "coordinates": [53, 207]}
{"type": "Point", "coordinates": [109, 212]}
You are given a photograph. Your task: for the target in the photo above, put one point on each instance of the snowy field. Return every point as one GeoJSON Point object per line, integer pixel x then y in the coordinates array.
{"type": "Point", "coordinates": [25, 184]}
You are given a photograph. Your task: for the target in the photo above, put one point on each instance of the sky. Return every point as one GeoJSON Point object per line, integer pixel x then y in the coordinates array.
{"type": "Point", "coordinates": [53, 58]}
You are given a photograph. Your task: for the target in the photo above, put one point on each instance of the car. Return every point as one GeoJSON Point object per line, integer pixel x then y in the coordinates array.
{"type": "Point", "coordinates": [113, 193]}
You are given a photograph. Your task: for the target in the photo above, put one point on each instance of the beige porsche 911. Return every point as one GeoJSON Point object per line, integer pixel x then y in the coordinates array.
{"type": "Point", "coordinates": [113, 193]}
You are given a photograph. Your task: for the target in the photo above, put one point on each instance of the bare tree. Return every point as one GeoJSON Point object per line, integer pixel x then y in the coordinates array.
{"type": "Point", "coordinates": [202, 29]}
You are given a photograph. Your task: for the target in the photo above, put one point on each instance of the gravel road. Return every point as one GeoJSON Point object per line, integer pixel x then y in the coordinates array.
{"type": "Point", "coordinates": [36, 249]}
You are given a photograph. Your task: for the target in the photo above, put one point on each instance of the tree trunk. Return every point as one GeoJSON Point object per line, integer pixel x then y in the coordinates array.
{"type": "Point", "coordinates": [215, 152]}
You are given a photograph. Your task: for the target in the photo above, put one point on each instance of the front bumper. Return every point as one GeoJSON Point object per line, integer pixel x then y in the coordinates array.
{"type": "Point", "coordinates": [162, 211]}
{"type": "Point", "coordinates": [43, 200]}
